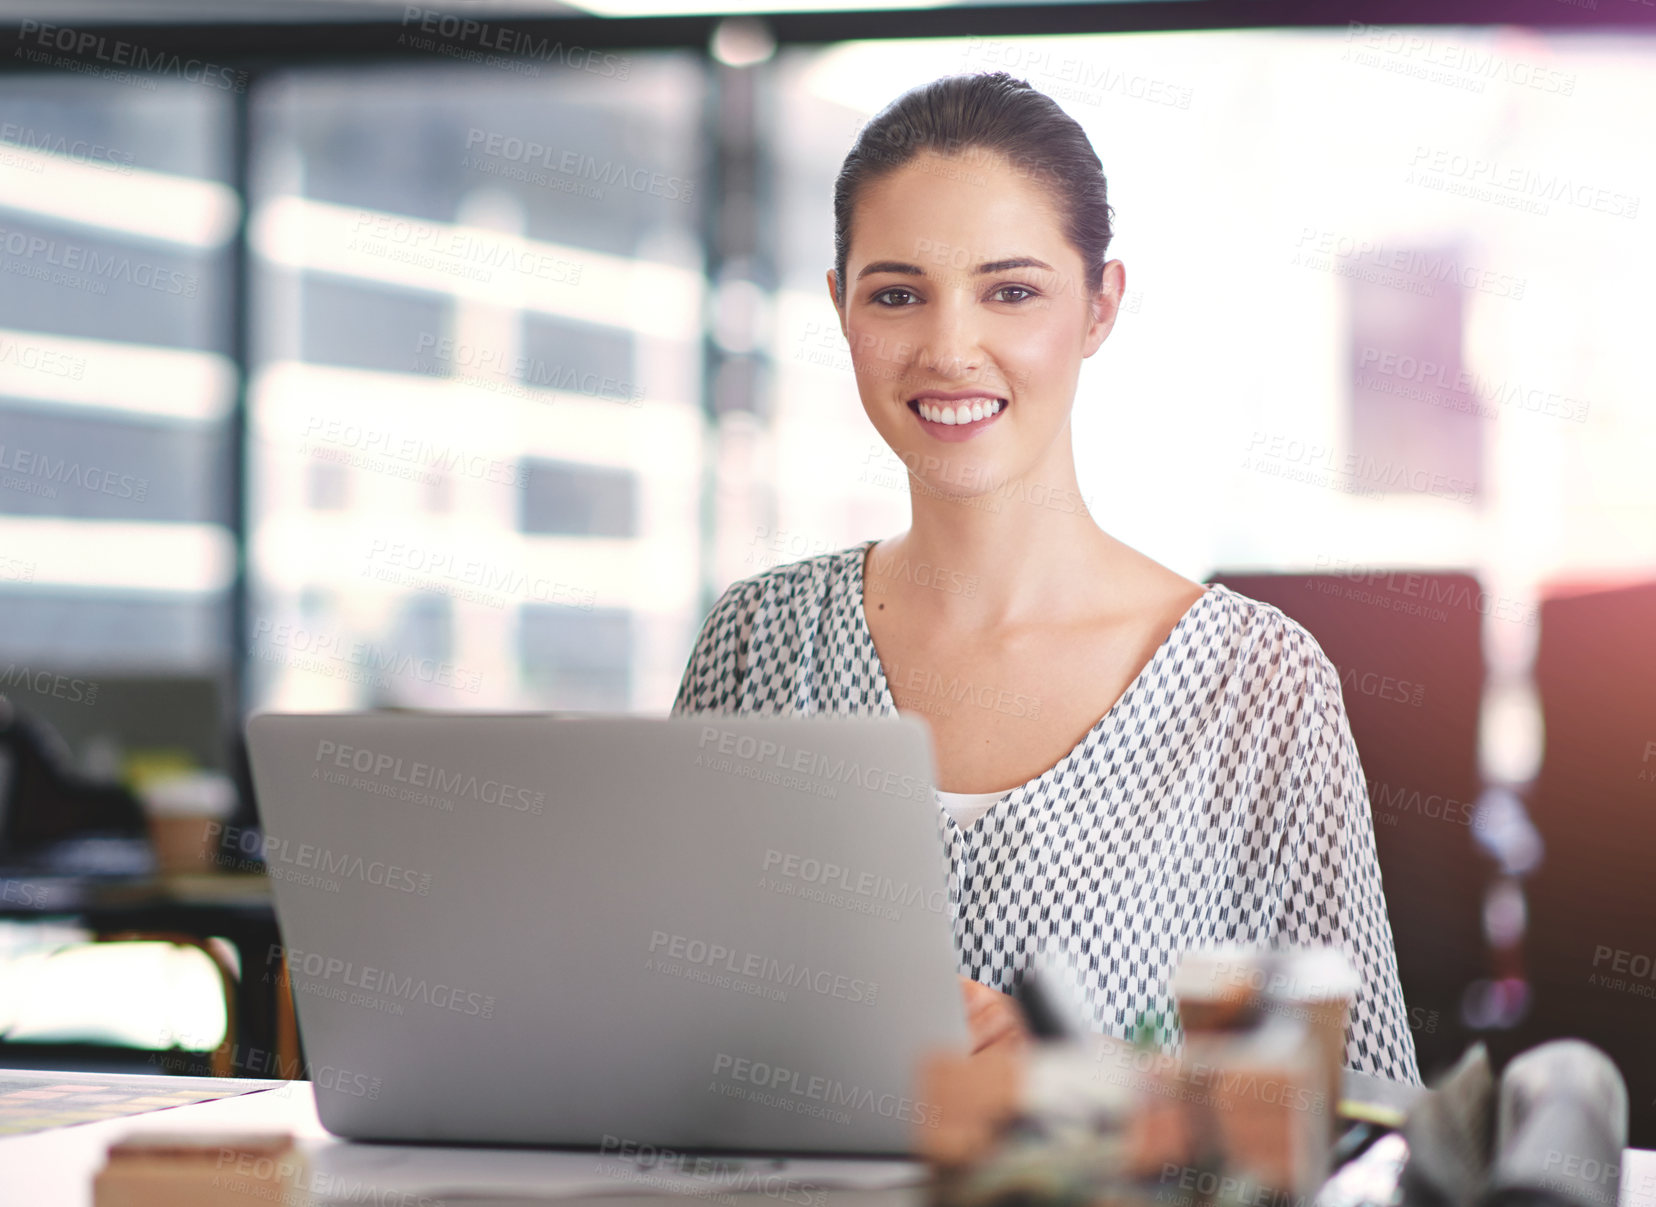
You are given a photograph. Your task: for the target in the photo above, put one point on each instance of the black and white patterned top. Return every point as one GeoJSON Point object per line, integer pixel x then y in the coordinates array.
{"type": "Point", "coordinates": [1219, 801]}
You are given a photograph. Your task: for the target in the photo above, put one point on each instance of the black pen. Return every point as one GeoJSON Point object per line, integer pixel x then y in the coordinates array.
{"type": "Point", "coordinates": [1035, 1000]}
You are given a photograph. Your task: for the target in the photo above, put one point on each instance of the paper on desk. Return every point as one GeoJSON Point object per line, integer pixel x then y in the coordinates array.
{"type": "Point", "coordinates": [344, 1171]}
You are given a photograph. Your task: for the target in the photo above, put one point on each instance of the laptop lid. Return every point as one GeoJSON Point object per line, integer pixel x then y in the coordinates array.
{"type": "Point", "coordinates": [699, 932]}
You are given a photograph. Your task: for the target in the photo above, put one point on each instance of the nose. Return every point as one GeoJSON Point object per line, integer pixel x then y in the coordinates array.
{"type": "Point", "coordinates": [949, 344]}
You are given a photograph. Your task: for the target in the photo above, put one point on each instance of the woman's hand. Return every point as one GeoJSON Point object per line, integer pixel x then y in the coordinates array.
{"type": "Point", "coordinates": [974, 1097]}
{"type": "Point", "coordinates": [994, 1019]}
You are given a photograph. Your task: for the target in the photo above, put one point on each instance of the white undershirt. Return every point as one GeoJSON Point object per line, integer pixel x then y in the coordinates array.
{"type": "Point", "coordinates": [967, 807]}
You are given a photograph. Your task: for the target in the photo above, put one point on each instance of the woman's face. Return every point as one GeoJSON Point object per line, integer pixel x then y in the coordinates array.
{"type": "Point", "coordinates": [967, 318]}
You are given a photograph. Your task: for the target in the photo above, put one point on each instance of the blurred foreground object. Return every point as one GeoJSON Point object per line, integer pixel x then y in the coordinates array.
{"type": "Point", "coordinates": [1227, 990]}
{"type": "Point", "coordinates": [183, 1169]}
{"type": "Point", "coordinates": [1562, 1129]}
{"type": "Point", "coordinates": [1448, 1136]}
{"type": "Point", "coordinates": [1556, 1139]}
{"type": "Point", "coordinates": [1103, 1121]}
{"type": "Point", "coordinates": [1245, 1115]}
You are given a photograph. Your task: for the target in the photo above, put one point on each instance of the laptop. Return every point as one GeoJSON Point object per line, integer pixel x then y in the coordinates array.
{"type": "Point", "coordinates": [708, 932]}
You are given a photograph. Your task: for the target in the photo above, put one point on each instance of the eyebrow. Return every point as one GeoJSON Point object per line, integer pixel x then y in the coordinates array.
{"type": "Point", "coordinates": [914, 270]}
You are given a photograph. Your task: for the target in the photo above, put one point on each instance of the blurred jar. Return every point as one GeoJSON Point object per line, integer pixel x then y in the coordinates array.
{"type": "Point", "coordinates": [186, 814]}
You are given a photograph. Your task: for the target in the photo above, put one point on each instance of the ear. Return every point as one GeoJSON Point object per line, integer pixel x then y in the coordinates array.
{"type": "Point", "coordinates": [833, 297]}
{"type": "Point", "coordinates": [1106, 304]}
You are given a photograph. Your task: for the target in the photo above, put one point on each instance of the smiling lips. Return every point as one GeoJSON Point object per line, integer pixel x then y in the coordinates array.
{"type": "Point", "coordinates": [957, 415]}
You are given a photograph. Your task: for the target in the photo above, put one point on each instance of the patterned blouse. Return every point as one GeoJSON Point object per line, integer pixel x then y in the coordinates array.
{"type": "Point", "coordinates": [1219, 801]}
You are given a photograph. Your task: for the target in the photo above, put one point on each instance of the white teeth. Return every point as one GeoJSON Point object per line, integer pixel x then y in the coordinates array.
{"type": "Point", "coordinates": [964, 413]}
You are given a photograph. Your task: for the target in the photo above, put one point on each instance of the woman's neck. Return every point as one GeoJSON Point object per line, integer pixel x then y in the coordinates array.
{"type": "Point", "coordinates": [1023, 550]}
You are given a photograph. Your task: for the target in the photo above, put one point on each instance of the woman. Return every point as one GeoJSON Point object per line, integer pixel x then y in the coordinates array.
{"type": "Point", "coordinates": [1132, 765]}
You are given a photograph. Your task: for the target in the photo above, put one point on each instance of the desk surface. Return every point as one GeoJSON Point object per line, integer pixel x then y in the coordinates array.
{"type": "Point", "coordinates": [26, 895]}
{"type": "Point", "coordinates": [55, 1168]}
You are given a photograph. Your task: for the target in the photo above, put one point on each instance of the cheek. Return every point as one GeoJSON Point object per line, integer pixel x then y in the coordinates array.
{"type": "Point", "coordinates": [875, 358]}
{"type": "Point", "coordinates": [1039, 355]}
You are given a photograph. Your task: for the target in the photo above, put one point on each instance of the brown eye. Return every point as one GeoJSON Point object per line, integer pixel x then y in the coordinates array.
{"type": "Point", "coordinates": [1023, 289]}
{"type": "Point", "coordinates": [885, 294]}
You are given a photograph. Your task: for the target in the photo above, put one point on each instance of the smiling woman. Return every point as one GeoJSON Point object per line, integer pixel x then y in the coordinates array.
{"type": "Point", "coordinates": [1171, 766]}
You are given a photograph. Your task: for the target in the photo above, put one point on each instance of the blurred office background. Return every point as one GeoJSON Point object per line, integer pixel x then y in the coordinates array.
{"type": "Point", "coordinates": [424, 383]}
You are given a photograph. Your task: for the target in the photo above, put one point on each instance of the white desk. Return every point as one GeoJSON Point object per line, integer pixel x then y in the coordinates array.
{"type": "Point", "coordinates": [44, 1169]}
{"type": "Point", "coordinates": [55, 1168]}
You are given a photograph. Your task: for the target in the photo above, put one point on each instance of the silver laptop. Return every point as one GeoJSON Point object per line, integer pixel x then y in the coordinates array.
{"type": "Point", "coordinates": [712, 932]}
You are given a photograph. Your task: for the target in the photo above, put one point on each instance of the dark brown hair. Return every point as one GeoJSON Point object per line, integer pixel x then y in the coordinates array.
{"type": "Point", "coordinates": [992, 112]}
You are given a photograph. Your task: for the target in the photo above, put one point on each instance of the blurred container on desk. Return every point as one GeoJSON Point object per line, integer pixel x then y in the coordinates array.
{"type": "Point", "coordinates": [1245, 1113]}
{"type": "Point", "coordinates": [1234, 988]}
{"type": "Point", "coordinates": [186, 813]}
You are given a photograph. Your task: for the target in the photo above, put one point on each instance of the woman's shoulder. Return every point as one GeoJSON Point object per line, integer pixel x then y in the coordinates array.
{"type": "Point", "coordinates": [759, 625]}
{"type": "Point", "coordinates": [1269, 651]}
{"type": "Point", "coordinates": [797, 588]}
